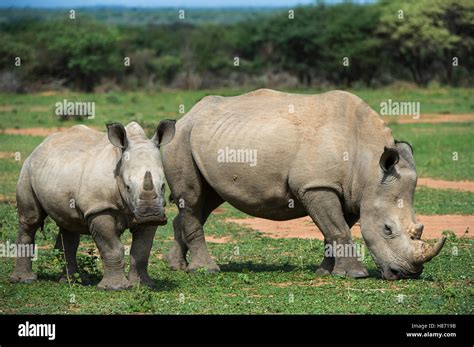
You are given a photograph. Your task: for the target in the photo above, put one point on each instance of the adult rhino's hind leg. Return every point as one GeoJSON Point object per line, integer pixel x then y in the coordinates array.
{"type": "Point", "coordinates": [31, 217]}
{"type": "Point", "coordinates": [68, 242]}
{"type": "Point", "coordinates": [324, 207]}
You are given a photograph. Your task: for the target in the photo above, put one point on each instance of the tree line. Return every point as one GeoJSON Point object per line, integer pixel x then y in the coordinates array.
{"type": "Point", "coordinates": [346, 44]}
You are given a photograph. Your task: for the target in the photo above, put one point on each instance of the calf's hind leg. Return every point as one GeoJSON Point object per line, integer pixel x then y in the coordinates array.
{"type": "Point", "coordinates": [68, 242]}
{"type": "Point", "coordinates": [31, 216]}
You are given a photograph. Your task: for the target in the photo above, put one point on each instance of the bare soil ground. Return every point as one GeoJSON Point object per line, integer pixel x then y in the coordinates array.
{"type": "Point", "coordinates": [467, 186]}
{"type": "Point", "coordinates": [32, 131]}
{"type": "Point", "coordinates": [431, 118]}
{"type": "Point", "coordinates": [7, 155]}
{"type": "Point", "coordinates": [304, 228]}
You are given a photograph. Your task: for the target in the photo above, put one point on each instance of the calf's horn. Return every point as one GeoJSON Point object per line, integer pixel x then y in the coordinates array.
{"type": "Point", "coordinates": [148, 182]}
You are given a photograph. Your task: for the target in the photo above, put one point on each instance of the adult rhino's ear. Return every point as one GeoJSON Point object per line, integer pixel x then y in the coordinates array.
{"type": "Point", "coordinates": [117, 135]}
{"type": "Point", "coordinates": [389, 159]}
{"type": "Point", "coordinates": [404, 146]}
{"type": "Point", "coordinates": [164, 132]}
{"type": "Point", "coordinates": [405, 150]}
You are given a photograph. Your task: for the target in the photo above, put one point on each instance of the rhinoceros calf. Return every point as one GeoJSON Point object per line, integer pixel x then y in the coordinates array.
{"type": "Point", "coordinates": [94, 183]}
{"type": "Point", "coordinates": [282, 156]}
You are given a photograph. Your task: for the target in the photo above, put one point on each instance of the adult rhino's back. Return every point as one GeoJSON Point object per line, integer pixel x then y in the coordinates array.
{"type": "Point", "coordinates": [251, 148]}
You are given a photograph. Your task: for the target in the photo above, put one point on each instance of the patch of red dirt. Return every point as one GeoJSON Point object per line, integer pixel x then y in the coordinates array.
{"type": "Point", "coordinates": [212, 239]}
{"type": "Point", "coordinates": [32, 131]}
{"type": "Point", "coordinates": [7, 155]}
{"type": "Point", "coordinates": [431, 118]}
{"type": "Point", "coordinates": [467, 186]}
{"type": "Point", "coordinates": [304, 228]}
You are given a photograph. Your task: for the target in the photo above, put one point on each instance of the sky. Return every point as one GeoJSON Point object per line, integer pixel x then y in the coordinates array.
{"type": "Point", "coordinates": [163, 3]}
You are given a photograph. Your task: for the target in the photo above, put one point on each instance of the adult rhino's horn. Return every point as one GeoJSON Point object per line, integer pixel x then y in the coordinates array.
{"type": "Point", "coordinates": [425, 251]}
{"type": "Point", "coordinates": [148, 182]}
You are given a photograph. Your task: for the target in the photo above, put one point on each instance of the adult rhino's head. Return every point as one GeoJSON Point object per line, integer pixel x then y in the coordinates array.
{"type": "Point", "coordinates": [139, 171]}
{"type": "Point", "coordinates": [388, 222]}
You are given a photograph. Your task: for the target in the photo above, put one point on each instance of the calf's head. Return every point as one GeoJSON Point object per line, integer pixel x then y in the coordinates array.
{"type": "Point", "coordinates": [388, 222]}
{"type": "Point", "coordinates": [139, 171]}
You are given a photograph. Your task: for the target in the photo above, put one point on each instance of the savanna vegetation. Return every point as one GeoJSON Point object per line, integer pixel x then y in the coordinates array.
{"type": "Point", "coordinates": [348, 44]}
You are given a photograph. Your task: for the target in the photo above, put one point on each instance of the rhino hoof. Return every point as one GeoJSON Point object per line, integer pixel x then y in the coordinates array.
{"type": "Point", "coordinates": [203, 269]}
{"type": "Point", "coordinates": [322, 272]}
{"type": "Point", "coordinates": [84, 279]}
{"type": "Point", "coordinates": [351, 273]}
{"type": "Point", "coordinates": [142, 281]}
{"type": "Point", "coordinates": [177, 265]}
{"type": "Point", "coordinates": [357, 273]}
{"type": "Point", "coordinates": [107, 284]}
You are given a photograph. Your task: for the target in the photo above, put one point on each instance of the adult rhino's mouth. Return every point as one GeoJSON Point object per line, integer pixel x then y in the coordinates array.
{"type": "Point", "coordinates": [390, 272]}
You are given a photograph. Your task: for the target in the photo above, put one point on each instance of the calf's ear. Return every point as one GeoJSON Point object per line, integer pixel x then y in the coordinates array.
{"type": "Point", "coordinates": [389, 159]}
{"type": "Point", "coordinates": [117, 135]}
{"type": "Point", "coordinates": [164, 132]}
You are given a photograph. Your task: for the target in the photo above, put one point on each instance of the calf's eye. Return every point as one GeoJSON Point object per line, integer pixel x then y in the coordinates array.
{"type": "Point", "coordinates": [387, 230]}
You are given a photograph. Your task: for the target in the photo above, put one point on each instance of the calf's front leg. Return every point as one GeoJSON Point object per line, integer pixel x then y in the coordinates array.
{"type": "Point", "coordinates": [142, 242]}
{"type": "Point", "coordinates": [106, 235]}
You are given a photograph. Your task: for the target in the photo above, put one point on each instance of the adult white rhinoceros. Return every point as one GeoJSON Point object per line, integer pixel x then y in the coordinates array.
{"type": "Point", "coordinates": [93, 183]}
{"type": "Point", "coordinates": [282, 156]}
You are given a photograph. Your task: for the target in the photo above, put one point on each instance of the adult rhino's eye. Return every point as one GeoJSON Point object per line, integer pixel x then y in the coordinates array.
{"type": "Point", "coordinates": [387, 230]}
{"type": "Point", "coordinates": [128, 187]}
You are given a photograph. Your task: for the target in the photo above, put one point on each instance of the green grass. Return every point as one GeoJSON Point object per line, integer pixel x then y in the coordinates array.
{"type": "Point", "coordinates": [10, 168]}
{"type": "Point", "coordinates": [441, 150]}
{"type": "Point", "coordinates": [37, 110]}
{"type": "Point", "coordinates": [267, 276]}
{"type": "Point", "coordinates": [443, 201]}
{"type": "Point", "coordinates": [432, 100]}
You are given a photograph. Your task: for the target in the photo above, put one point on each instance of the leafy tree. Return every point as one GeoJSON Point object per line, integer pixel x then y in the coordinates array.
{"type": "Point", "coordinates": [81, 52]}
{"type": "Point", "coordinates": [425, 32]}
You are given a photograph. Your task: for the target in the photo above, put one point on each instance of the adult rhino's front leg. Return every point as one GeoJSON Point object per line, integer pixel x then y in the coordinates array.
{"type": "Point", "coordinates": [324, 207]}
{"type": "Point", "coordinates": [106, 236]}
{"type": "Point", "coordinates": [142, 242]}
{"type": "Point", "coordinates": [176, 257]}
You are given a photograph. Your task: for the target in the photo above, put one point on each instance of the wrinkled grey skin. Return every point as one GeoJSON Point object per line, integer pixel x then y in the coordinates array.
{"type": "Point", "coordinates": [328, 156]}
{"type": "Point", "coordinates": [100, 184]}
